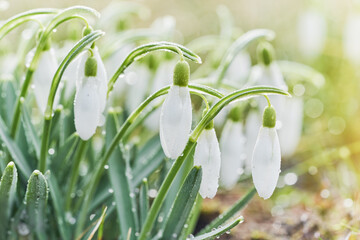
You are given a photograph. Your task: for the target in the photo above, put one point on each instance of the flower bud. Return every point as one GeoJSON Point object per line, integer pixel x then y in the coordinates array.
{"type": "Point", "coordinates": [181, 74]}
{"type": "Point", "coordinates": [265, 53]}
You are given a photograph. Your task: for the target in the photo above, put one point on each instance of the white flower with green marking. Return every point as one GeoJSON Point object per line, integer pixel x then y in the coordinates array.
{"type": "Point", "coordinates": [266, 159]}
{"type": "Point", "coordinates": [90, 98]}
{"type": "Point", "coordinates": [176, 113]}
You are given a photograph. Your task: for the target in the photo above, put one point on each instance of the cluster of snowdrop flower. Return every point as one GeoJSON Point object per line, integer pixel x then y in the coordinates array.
{"type": "Point", "coordinates": [175, 126]}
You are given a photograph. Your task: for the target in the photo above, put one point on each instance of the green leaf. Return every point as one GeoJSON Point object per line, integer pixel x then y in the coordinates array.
{"type": "Point", "coordinates": [35, 199]}
{"type": "Point", "coordinates": [143, 201]}
{"type": "Point", "coordinates": [148, 160]}
{"type": "Point", "coordinates": [56, 198]}
{"type": "Point", "coordinates": [30, 132]}
{"type": "Point", "coordinates": [99, 222]}
{"type": "Point", "coordinates": [14, 150]}
{"type": "Point", "coordinates": [219, 231]}
{"type": "Point", "coordinates": [18, 19]}
{"type": "Point", "coordinates": [240, 204]}
{"type": "Point", "coordinates": [183, 204]}
{"type": "Point", "coordinates": [120, 182]}
{"type": "Point", "coordinates": [7, 194]}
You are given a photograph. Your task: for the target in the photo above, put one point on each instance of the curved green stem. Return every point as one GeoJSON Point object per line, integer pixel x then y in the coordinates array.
{"type": "Point", "coordinates": [240, 44]}
{"type": "Point", "coordinates": [119, 136]}
{"type": "Point", "coordinates": [66, 14]}
{"type": "Point", "coordinates": [142, 50]}
{"type": "Point", "coordinates": [74, 173]}
{"type": "Point", "coordinates": [214, 110]}
{"type": "Point", "coordinates": [79, 46]}
{"type": "Point", "coordinates": [24, 17]}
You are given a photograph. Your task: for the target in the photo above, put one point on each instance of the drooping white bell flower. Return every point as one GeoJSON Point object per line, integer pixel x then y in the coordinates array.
{"type": "Point", "coordinates": [165, 26]}
{"type": "Point", "coordinates": [239, 68]}
{"type": "Point", "coordinates": [101, 79]}
{"type": "Point", "coordinates": [351, 38]}
{"type": "Point", "coordinates": [267, 156]}
{"type": "Point", "coordinates": [137, 78]}
{"type": "Point", "coordinates": [42, 78]}
{"type": "Point", "coordinates": [252, 125]}
{"type": "Point", "coordinates": [290, 131]}
{"type": "Point", "coordinates": [311, 29]}
{"type": "Point", "coordinates": [89, 100]}
{"type": "Point", "coordinates": [207, 155]}
{"type": "Point", "coordinates": [268, 73]}
{"type": "Point", "coordinates": [232, 144]}
{"type": "Point", "coordinates": [176, 113]}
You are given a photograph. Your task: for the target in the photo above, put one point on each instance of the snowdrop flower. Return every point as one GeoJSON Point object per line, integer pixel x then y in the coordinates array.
{"type": "Point", "coordinates": [311, 31]}
{"type": "Point", "coordinates": [351, 38]}
{"type": "Point", "coordinates": [239, 68]}
{"type": "Point", "coordinates": [252, 125]}
{"type": "Point", "coordinates": [290, 131]}
{"type": "Point", "coordinates": [232, 143]}
{"type": "Point", "coordinates": [43, 76]}
{"type": "Point", "coordinates": [176, 113]}
{"type": "Point", "coordinates": [207, 155]}
{"type": "Point", "coordinates": [90, 99]}
{"type": "Point", "coordinates": [137, 76]}
{"type": "Point", "coordinates": [267, 156]}
{"type": "Point", "coordinates": [101, 78]}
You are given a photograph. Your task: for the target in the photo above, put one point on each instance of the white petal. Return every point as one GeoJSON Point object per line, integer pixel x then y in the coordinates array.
{"type": "Point", "coordinates": [43, 76]}
{"type": "Point", "coordinates": [233, 154]}
{"type": "Point", "coordinates": [352, 38]}
{"type": "Point", "coordinates": [175, 121]}
{"type": "Point", "coordinates": [87, 108]}
{"type": "Point", "coordinates": [137, 80]}
{"type": "Point", "coordinates": [100, 80]}
{"type": "Point", "coordinates": [312, 33]}
{"type": "Point", "coordinates": [207, 155]}
{"type": "Point", "coordinates": [266, 162]}
{"type": "Point", "coordinates": [252, 125]}
{"type": "Point", "coordinates": [291, 121]}
{"type": "Point", "coordinates": [239, 68]}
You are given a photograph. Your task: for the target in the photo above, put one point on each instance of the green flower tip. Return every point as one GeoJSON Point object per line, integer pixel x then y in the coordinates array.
{"type": "Point", "coordinates": [86, 30]}
{"type": "Point", "coordinates": [91, 67]}
{"type": "Point", "coordinates": [181, 74]}
{"type": "Point", "coordinates": [266, 53]}
{"type": "Point", "coordinates": [269, 117]}
{"type": "Point", "coordinates": [36, 173]}
{"type": "Point", "coordinates": [235, 114]}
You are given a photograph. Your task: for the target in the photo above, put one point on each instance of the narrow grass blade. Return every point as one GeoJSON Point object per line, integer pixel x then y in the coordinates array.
{"type": "Point", "coordinates": [183, 204]}
{"type": "Point", "coordinates": [56, 198]}
{"type": "Point", "coordinates": [14, 150]}
{"type": "Point", "coordinates": [219, 231]}
{"type": "Point", "coordinates": [7, 194]}
{"type": "Point", "coordinates": [99, 222]}
{"type": "Point", "coordinates": [120, 183]}
{"type": "Point", "coordinates": [143, 201]}
{"type": "Point", "coordinates": [36, 199]}
{"type": "Point", "coordinates": [230, 213]}
{"type": "Point", "coordinates": [30, 132]}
